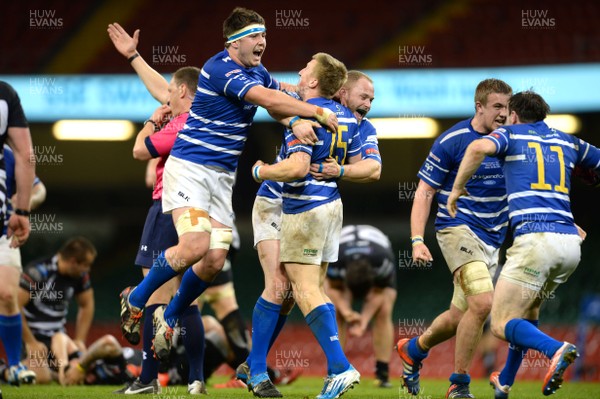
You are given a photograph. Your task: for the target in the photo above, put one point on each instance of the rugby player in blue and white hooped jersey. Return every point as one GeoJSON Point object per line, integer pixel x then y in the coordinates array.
{"type": "Point", "coordinates": [469, 244]}
{"type": "Point", "coordinates": [538, 162]}
{"type": "Point", "coordinates": [311, 223]}
{"type": "Point", "coordinates": [199, 175]}
{"type": "Point", "coordinates": [357, 94]}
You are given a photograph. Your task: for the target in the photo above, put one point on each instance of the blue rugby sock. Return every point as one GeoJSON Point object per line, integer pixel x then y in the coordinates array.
{"type": "Point", "coordinates": [460, 378]}
{"type": "Point", "coordinates": [331, 307]}
{"type": "Point", "coordinates": [278, 327]}
{"type": "Point", "coordinates": [264, 323]}
{"type": "Point", "coordinates": [149, 363]}
{"type": "Point", "coordinates": [513, 362]}
{"type": "Point", "coordinates": [190, 288]}
{"type": "Point", "coordinates": [160, 273]}
{"type": "Point", "coordinates": [10, 334]}
{"type": "Point", "coordinates": [521, 333]}
{"type": "Point", "coordinates": [324, 328]}
{"type": "Point", "coordinates": [192, 333]}
{"type": "Point", "coordinates": [415, 351]}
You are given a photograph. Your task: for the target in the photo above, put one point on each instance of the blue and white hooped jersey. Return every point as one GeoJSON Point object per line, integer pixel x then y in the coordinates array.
{"type": "Point", "coordinates": [368, 136]}
{"type": "Point", "coordinates": [269, 188]}
{"type": "Point", "coordinates": [538, 162]}
{"type": "Point", "coordinates": [484, 210]}
{"type": "Point", "coordinates": [307, 193]}
{"type": "Point", "coordinates": [217, 127]}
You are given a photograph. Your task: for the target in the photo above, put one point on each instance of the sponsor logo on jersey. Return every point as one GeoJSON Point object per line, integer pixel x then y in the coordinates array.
{"type": "Point", "coordinates": [228, 74]}
{"type": "Point", "coordinates": [433, 156]}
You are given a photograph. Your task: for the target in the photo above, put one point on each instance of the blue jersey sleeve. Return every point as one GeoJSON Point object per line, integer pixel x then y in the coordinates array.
{"type": "Point", "coordinates": [436, 167]}
{"type": "Point", "coordinates": [588, 155]}
{"type": "Point", "coordinates": [232, 81]}
{"type": "Point", "coordinates": [500, 138]}
{"type": "Point", "coordinates": [293, 144]}
{"type": "Point", "coordinates": [355, 145]}
{"type": "Point", "coordinates": [270, 81]}
{"type": "Point", "coordinates": [370, 145]}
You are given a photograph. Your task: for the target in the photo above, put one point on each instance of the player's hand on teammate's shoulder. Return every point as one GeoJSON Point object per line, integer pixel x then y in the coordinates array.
{"type": "Point", "coordinates": [327, 119]}
{"type": "Point", "coordinates": [304, 130]}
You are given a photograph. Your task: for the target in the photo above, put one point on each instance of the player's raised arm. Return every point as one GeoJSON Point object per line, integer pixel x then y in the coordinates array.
{"type": "Point", "coordinates": [125, 44]}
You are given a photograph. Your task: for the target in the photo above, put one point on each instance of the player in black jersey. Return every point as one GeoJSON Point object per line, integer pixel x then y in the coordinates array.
{"type": "Point", "coordinates": [365, 270]}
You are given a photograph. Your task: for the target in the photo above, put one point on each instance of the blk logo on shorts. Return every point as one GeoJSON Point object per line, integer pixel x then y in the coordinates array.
{"type": "Point", "coordinates": [466, 250]}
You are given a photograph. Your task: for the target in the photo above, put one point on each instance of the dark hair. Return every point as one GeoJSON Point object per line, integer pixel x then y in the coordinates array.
{"type": "Point", "coordinates": [529, 106]}
{"type": "Point", "coordinates": [78, 248]}
{"type": "Point", "coordinates": [187, 76]}
{"type": "Point", "coordinates": [239, 18]}
{"type": "Point", "coordinates": [360, 277]}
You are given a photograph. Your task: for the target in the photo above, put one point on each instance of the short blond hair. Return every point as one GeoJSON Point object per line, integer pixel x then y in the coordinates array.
{"type": "Point", "coordinates": [331, 74]}
{"type": "Point", "coordinates": [489, 86]}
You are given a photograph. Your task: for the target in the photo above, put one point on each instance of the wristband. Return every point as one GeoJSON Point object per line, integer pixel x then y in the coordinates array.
{"type": "Point", "coordinates": [80, 368]}
{"type": "Point", "coordinates": [293, 120]}
{"type": "Point", "coordinates": [156, 128]}
{"type": "Point", "coordinates": [22, 212]}
{"type": "Point", "coordinates": [417, 240]}
{"type": "Point", "coordinates": [341, 171]}
{"type": "Point", "coordinates": [133, 57]}
{"type": "Point", "coordinates": [256, 174]}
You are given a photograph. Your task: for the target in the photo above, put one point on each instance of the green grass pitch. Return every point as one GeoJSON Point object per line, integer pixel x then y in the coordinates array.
{"type": "Point", "coordinates": [309, 387]}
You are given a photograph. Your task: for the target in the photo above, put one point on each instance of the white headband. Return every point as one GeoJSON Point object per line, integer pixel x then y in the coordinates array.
{"type": "Point", "coordinates": [245, 31]}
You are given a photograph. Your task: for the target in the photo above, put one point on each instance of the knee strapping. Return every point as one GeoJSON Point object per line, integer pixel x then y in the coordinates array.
{"type": "Point", "coordinates": [221, 238]}
{"type": "Point", "coordinates": [475, 278]}
{"type": "Point", "coordinates": [459, 299]}
{"type": "Point", "coordinates": [193, 220]}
